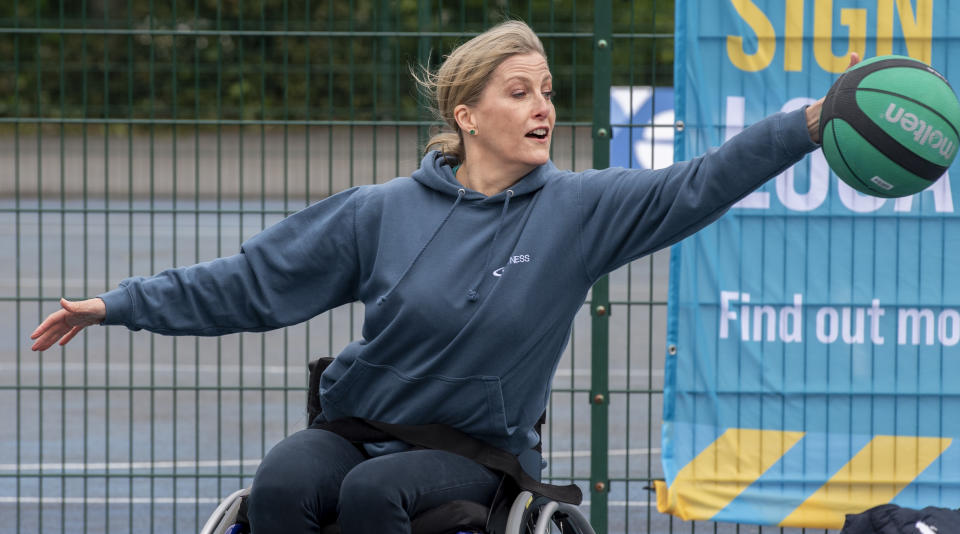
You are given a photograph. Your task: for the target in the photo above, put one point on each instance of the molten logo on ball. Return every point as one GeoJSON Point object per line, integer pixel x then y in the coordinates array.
{"type": "Point", "coordinates": [923, 133]}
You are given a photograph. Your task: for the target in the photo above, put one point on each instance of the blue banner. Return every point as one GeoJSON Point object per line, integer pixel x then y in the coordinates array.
{"type": "Point", "coordinates": [813, 367]}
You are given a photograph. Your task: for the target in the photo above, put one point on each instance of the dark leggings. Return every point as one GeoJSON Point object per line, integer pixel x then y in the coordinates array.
{"type": "Point", "coordinates": [314, 477]}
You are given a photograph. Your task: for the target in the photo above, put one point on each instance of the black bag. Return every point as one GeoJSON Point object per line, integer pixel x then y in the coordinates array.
{"type": "Point", "coordinates": [893, 519]}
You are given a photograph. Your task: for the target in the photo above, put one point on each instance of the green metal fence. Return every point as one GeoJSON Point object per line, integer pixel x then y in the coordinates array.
{"type": "Point", "coordinates": [141, 135]}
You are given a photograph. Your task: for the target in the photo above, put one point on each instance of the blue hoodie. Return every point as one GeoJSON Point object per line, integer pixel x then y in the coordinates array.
{"type": "Point", "coordinates": [469, 300]}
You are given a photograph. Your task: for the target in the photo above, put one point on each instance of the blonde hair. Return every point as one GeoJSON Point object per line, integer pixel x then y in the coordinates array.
{"type": "Point", "coordinates": [465, 73]}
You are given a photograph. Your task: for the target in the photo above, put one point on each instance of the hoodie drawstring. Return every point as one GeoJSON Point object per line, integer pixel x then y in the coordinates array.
{"type": "Point", "coordinates": [383, 298]}
{"type": "Point", "coordinates": [474, 293]}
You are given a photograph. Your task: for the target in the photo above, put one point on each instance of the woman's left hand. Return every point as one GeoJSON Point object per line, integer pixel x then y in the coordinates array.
{"type": "Point", "coordinates": [813, 110]}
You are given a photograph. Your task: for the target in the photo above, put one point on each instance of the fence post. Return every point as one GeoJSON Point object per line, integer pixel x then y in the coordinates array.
{"type": "Point", "coordinates": [424, 44]}
{"type": "Point", "coordinates": [600, 301]}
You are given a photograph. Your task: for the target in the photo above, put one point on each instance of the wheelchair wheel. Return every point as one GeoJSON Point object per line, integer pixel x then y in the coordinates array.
{"type": "Point", "coordinates": [224, 519]}
{"type": "Point", "coordinates": [540, 515]}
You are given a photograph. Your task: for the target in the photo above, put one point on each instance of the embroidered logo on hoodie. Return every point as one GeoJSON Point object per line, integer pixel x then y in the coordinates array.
{"type": "Point", "coordinates": [519, 258]}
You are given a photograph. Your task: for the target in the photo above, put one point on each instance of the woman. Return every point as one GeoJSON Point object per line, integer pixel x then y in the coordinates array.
{"type": "Point", "coordinates": [471, 272]}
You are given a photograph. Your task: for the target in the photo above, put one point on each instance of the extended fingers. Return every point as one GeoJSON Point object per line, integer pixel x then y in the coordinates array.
{"type": "Point", "coordinates": [52, 319]}
{"type": "Point", "coordinates": [50, 330]}
{"type": "Point", "coordinates": [71, 334]}
{"type": "Point", "coordinates": [854, 59]}
{"type": "Point", "coordinates": [50, 336]}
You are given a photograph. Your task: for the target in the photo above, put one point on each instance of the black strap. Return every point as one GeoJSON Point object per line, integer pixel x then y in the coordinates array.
{"type": "Point", "coordinates": [447, 438]}
{"type": "Point", "coordinates": [434, 436]}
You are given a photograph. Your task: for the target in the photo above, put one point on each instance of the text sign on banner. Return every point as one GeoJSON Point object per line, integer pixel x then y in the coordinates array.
{"type": "Point", "coordinates": [817, 329]}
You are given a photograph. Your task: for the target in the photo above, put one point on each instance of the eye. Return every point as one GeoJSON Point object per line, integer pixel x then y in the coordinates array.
{"type": "Point", "coordinates": [548, 95]}
{"type": "Point", "coordinates": [518, 94]}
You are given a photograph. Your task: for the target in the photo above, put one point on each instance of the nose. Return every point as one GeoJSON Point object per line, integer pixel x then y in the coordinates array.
{"type": "Point", "coordinates": [542, 107]}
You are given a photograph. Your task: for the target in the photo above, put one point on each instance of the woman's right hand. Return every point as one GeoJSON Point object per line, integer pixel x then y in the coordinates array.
{"type": "Point", "coordinates": [68, 321]}
{"type": "Point", "coordinates": [813, 110]}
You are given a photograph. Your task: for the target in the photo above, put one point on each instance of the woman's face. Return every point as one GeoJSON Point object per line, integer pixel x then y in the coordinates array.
{"type": "Point", "coordinates": [514, 117]}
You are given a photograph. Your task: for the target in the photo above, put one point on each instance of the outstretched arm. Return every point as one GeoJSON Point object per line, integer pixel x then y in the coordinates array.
{"type": "Point", "coordinates": [297, 268]}
{"type": "Point", "coordinates": [628, 213]}
{"type": "Point", "coordinates": [65, 323]}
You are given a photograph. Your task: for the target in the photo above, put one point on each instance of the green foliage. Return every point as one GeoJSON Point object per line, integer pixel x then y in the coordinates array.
{"type": "Point", "coordinates": [306, 60]}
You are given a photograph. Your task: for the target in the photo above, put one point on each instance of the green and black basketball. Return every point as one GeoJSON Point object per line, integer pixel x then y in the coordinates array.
{"type": "Point", "coordinates": [889, 126]}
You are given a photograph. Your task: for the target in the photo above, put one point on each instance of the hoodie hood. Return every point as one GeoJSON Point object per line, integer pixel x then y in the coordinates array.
{"type": "Point", "coordinates": [436, 172]}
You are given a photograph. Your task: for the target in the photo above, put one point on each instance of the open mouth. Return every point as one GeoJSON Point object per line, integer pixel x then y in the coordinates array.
{"type": "Point", "coordinates": [539, 133]}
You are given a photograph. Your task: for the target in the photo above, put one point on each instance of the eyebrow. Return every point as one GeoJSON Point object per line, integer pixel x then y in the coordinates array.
{"type": "Point", "coordinates": [547, 78]}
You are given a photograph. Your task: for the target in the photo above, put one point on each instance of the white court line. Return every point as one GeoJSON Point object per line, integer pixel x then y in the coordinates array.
{"type": "Point", "coordinates": [92, 468]}
{"type": "Point", "coordinates": [203, 500]}
{"type": "Point", "coordinates": [120, 367]}
{"type": "Point", "coordinates": [109, 500]}
{"type": "Point", "coordinates": [629, 504]}
{"type": "Point", "coordinates": [127, 466]}
{"type": "Point", "coordinates": [556, 455]}
{"type": "Point", "coordinates": [584, 372]}
{"type": "Point", "coordinates": [32, 282]}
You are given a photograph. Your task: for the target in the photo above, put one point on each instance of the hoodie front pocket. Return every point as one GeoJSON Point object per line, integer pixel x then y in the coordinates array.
{"type": "Point", "coordinates": [472, 404]}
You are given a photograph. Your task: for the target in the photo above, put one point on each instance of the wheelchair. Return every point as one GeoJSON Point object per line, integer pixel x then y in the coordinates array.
{"type": "Point", "coordinates": [529, 514]}
{"type": "Point", "coordinates": [526, 513]}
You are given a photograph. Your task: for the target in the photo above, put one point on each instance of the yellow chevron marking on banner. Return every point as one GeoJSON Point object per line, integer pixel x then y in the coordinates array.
{"type": "Point", "coordinates": [722, 471]}
{"type": "Point", "coordinates": [874, 476]}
